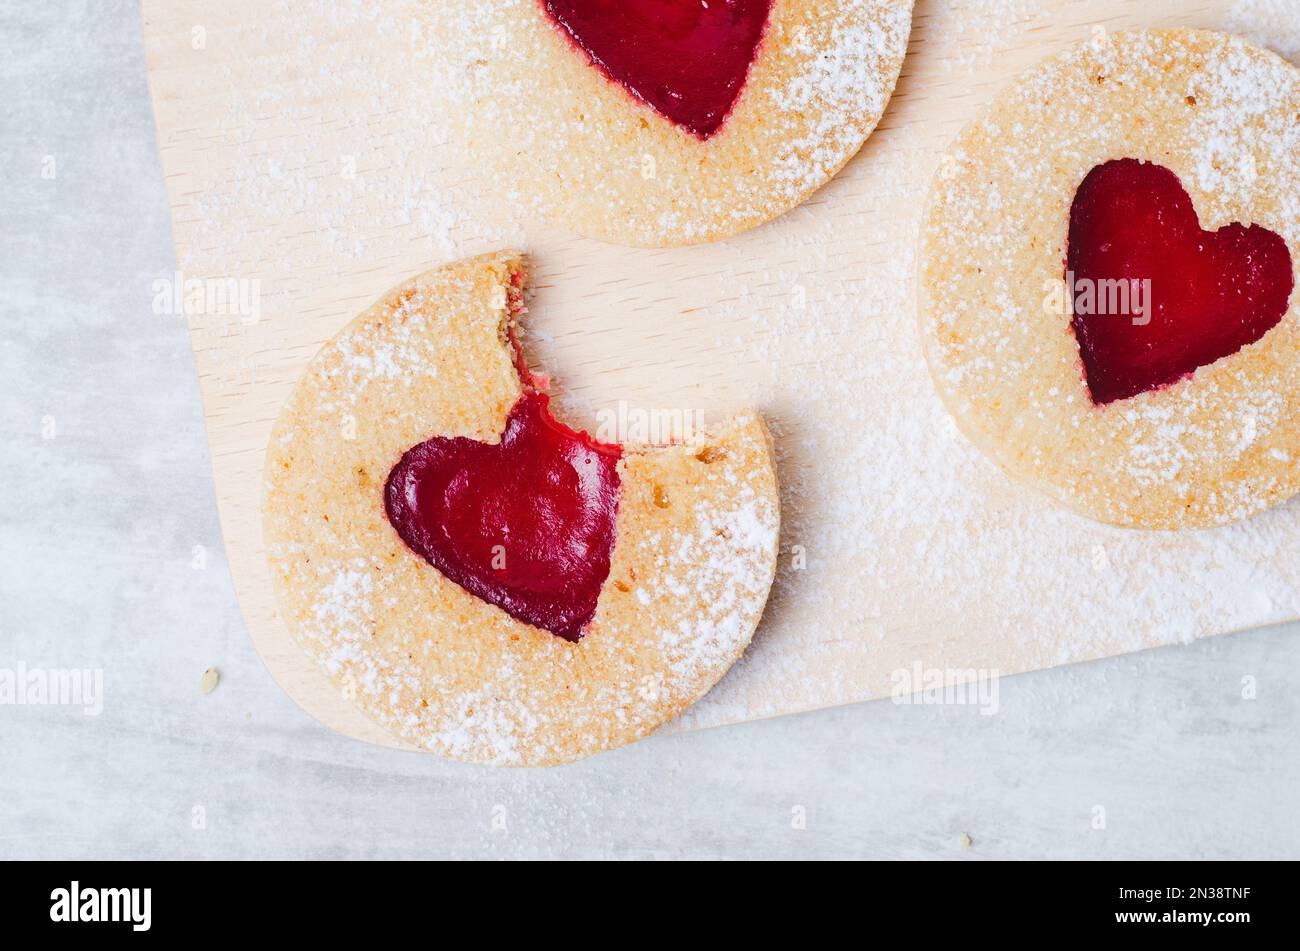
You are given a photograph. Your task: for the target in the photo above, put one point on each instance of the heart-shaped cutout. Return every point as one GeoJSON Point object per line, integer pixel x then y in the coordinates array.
{"type": "Point", "coordinates": [1154, 296]}
{"type": "Point", "coordinates": [526, 524]}
{"type": "Point", "coordinates": [686, 59]}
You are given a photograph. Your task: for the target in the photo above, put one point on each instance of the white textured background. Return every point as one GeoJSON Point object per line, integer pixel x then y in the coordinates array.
{"type": "Point", "coordinates": [98, 528]}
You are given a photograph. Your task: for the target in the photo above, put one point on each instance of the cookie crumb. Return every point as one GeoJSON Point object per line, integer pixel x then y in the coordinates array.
{"type": "Point", "coordinates": [208, 682]}
{"type": "Point", "coordinates": [966, 842]}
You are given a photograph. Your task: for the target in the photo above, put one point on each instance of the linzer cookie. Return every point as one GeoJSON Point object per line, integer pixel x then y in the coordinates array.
{"type": "Point", "coordinates": [482, 580]}
{"type": "Point", "coordinates": [1108, 270]}
{"type": "Point", "coordinates": [662, 122]}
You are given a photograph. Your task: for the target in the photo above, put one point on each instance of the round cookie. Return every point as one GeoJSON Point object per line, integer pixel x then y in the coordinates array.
{"type": "Point", "coordinates": [693, 553]}
{"type": "Point", "coordinates": [543, 96]}
{"type": "Point", "coordinates": [1013, 349]}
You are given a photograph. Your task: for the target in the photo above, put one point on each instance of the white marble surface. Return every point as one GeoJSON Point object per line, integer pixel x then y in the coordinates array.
{"type": "Point", "coordinates": [98, 533]}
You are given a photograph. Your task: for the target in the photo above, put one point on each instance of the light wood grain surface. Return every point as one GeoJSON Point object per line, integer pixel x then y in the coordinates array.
{"type": "Point", "coordinates": [296, 160]}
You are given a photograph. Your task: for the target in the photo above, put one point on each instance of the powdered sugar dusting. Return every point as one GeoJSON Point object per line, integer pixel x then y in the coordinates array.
{"type": "Point", "coordinates": [1271, 23]}
{"type": "Point", "coordinates": [438, 666]}
{"type": "Point", "coordinates": [980, 31]}
{"type": "Point", "coordinates": [924, 548]}
{"type": "Point", "coordinates": [901, 540]}
{"type": "Point", "coordinates": [733, 545]}
{"type": "Point", "coordinates": [840, 80]}
{"type": "Point", "coordinates": [474, 701]}
{"type": "Point", "coordinates": [578, 149]}
{"type": "Point", "coordinates": [1221, 114]}
{"type": "Point", "coordinates": [313, 191]}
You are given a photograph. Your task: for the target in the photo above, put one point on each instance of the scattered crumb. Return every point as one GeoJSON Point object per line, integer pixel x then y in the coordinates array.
{"type": "Point", "coordinates": [208, 682]}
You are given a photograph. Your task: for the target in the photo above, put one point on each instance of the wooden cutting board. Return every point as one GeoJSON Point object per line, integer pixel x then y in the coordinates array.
{"type": "Point", "coordinates": [305, 180]}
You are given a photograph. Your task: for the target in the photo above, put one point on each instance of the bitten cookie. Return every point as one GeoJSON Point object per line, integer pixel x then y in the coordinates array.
{"type": "Point", "coordinates": [1107, 279]}
{"type": "Point", "coordinates": [483, 581]}
{"type": "Point", "coordinates": [662, 122]}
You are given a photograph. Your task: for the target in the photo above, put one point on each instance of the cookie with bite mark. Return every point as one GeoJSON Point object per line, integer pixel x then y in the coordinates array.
{"type": "Point", "coordinates": [479, 578]}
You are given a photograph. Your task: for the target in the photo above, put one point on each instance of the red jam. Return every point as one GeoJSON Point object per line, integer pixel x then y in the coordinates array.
{"type": "Point", "coordinates": [527, 525]}
{"type": "Point", "coordinates": [688, 59]}
{"type": "Point", "coordinates": [1193, 296]}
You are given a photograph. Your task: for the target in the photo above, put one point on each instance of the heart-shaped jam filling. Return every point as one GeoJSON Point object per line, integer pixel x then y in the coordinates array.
{"type": "Point", "coordinates": [526, 524]}
{"type": "Point", "coordinates": [1154, 297]}
{"type": "Point", "coordinates": [688, 59]}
